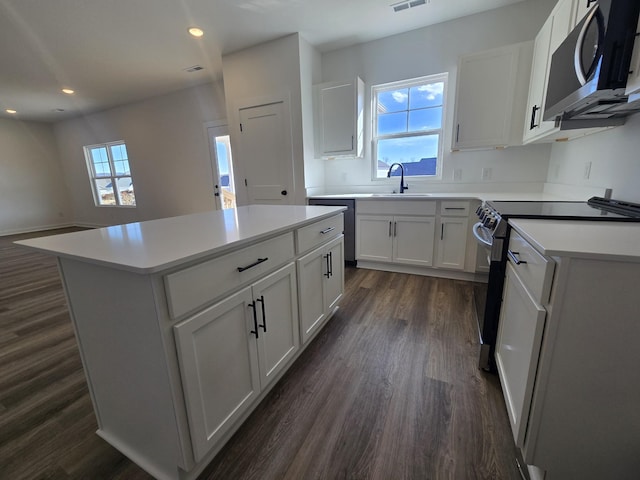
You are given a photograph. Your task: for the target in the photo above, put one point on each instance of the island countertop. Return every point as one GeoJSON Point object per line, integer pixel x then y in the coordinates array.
{"type": "Point", "coordinates": [156, 245]}
{"type": "Point", "coordinates": [583, 239]}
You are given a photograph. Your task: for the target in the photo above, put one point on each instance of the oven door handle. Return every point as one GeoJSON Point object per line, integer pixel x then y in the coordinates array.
{"type": "Point", "coordinates": [476, 233]}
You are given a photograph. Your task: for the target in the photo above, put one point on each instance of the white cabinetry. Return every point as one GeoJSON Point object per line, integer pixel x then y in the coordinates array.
{"type": "Point", "coordinates": [567, 351]}
{"type": "Point", "coordinates": [339, 117]}
{"type": "Point", "coordinates": [452, 231]}
{"type": "Point", "coordinates": [549, 38]}
{"type": "Point", "coordinates": [633, 82]}
{"type": "Point", "coordinates": [230, 352]}
{"type": "Point", "coordinates": [517, 350]}
{"type": "Point", "coordinates": [490, 97]}
{"type": "Point", "coordinates": [428, 237]}
{"type": "Point", "coordinates": [404, 238]}
{"type": "Point", "coordinates": [321, 280]}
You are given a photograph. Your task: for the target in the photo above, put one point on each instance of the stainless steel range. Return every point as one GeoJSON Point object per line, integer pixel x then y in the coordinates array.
{"type": "Point", "coordinates": [492, 232]}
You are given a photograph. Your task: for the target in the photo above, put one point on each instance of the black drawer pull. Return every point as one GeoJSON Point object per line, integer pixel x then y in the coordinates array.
{"type": "Point", "coordinates": [513, 258]}
{"type": "Point", "coordinates": [327, 230]}
{"type": "Point", "coordinates": [455, 208]}
{"type": "Point", "coordinates": [258, 262]}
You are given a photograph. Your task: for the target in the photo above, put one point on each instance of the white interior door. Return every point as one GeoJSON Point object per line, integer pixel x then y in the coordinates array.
{"type": "Point", "coordinates": [266, 147]}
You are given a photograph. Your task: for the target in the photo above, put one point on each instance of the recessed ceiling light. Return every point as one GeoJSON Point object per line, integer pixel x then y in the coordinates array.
{"type": "Point", "coordinates": [9, 110]}
{"type": "Point", "coordinates": [196, 32]}
{"type": "Point", "coordinates": [68, 91]}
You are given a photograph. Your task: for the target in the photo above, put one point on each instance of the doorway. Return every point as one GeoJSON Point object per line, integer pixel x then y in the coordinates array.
{"type": "Point", "coordinates": [222, 166]}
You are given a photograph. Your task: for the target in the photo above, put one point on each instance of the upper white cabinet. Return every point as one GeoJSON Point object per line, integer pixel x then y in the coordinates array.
{"type": "Point", "coordinates": [490, 97]}
{"type": "Point", "coordinates": [633, 82]}
{"type": "Point", "coordinates": [551, 35]}
{"type": "Point", "coordinates": [339, 114]}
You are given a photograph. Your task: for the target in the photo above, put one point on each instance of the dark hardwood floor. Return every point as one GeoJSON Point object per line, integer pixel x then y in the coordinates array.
{"type": "Point", "coordinates": [388, 390]}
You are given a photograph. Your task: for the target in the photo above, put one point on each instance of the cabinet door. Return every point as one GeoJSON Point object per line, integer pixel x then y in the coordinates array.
{"type": "Point", "coordinates": [340, 106]}
{"type": "Point", "coordinates": [534, 126]}
{"type": "Point", "coordinates": [452, 242]}
{"type": "Point", "coordinates": [633, 82]}
{"type": "Point", "coordinates": [374, 237]}
{"type": "Point", "coordinates": [413, 240]}
{"type": "Point", "coordinates": [276, 302]}
{"type": "Point", "coordinates": [334, 287]}
{"type": "Point", "coordinates": [219, 368]}
{"type": "Point", "coordinates": [485, 98]}
{"type": "Point", "coordinates": [517, 350]}
{"type": "Point", "coordinates": [312, 271]}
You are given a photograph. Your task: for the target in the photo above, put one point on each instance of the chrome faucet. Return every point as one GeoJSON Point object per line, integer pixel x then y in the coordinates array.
{"type": "Point", "coordinates": [403, 187]}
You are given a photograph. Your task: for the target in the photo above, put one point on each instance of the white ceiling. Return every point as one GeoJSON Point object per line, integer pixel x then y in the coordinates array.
{"type": "Point", "coordinates": [112, 52]}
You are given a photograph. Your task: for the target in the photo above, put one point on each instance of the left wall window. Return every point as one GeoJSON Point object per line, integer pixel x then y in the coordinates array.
{"type": "Point", "coordinates": [111, 180]}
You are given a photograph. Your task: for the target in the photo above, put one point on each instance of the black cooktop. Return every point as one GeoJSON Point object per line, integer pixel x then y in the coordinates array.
{"type": "Point", "coordinates": [596, 208]}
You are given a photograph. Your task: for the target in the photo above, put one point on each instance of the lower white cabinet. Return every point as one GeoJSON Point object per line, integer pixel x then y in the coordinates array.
{"type": "Point", "coordinates": [230, 351]}
{"type": "Point", "coordinates": [399, 239]}
{"type": "Point", "coordinates": [452, 242]}
{"type": "Point", "coordinates": [517, 350]}
{"type": "Point", "coordinates": [321, 281]}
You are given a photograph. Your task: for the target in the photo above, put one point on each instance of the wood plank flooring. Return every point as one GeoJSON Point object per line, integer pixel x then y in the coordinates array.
{"type": "Point", "coordinates": [388, 390]}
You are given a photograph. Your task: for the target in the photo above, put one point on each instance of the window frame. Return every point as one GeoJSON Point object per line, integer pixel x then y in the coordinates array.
{"type": "Point", "coordinates": [113, 177]}
{"type": "Point", "coordinates": [408, 83]}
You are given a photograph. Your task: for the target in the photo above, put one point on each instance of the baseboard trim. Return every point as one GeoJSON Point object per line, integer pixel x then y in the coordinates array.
{"type": "Point", "coordinates": [40, 228]}
{"type": "Point", "coordinates": [425, 271]}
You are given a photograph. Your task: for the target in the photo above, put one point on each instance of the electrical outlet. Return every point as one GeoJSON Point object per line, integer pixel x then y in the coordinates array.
{"type": "Point", "coordinates": [486, 174]}
{"type": "Point", "coordinates": [457, 174]}
{"type": "Point", "coordinates": [587, 170]}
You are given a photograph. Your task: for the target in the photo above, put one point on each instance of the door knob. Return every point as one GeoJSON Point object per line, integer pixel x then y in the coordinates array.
{"type": "Point", "coordinates": [283, 192]}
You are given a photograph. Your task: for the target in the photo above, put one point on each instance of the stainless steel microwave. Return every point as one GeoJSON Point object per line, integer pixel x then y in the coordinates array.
{"type": "Point", "coordinates": [589, 70]}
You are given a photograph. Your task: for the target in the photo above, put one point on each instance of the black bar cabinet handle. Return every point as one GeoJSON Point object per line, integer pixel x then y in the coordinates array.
{"type": "Point", "coordinates": [455, 208]}
{"type": "Point", "coordinates": [264, 315]}
{"type": "Point", "coordinates": [327, 230]}
{"type": "Point", "coordinates": [390, 228]}
{"type": "Point", "coordinates": [514, 258]}
{"type": "Point", "coordinates": [257, 262]}
{"type": "Point", "coordinates": [328, 274]}
{"type": "Point", "coordinates": [255, 319]}
{"type": "Point", "coordinates": [442, 231]}
{"type": "Point", "coordinates": [331, 264]}
{"type": "Point", "coordinates": [533, 124]}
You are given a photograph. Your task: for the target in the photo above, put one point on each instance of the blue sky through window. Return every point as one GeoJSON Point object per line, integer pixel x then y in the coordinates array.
{"type": "Point", "coordinates": [402, 113]}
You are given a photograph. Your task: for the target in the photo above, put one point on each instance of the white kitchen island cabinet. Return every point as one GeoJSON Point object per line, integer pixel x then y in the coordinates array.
{"type": "Point", "coordinates": [567, 348]}
{"type": "Point", "coordinates": [163, 312]}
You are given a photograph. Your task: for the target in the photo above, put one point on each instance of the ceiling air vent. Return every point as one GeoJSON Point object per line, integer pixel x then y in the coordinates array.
{"type": "Point", "coordinates": [195, 68]}
{"type": "Point", "coordinates": [398, 7]}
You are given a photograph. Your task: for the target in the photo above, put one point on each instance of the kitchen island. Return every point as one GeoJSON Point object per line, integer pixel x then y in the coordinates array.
{"type": "Point", "coordinates": [184, 324]}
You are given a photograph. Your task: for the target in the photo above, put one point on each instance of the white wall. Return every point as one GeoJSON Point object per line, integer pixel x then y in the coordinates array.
{"type": "Point", "coordinates": [310, 74]}
{"type": "Point", "coordinates": [614, 157]}
{"type": "Point", "coordinates": [168, 154]}
{"type": "Point", "coordinates": [431, 50]}
{"type": "Point", "coordinates": [33, 193]}
{"type": "Point", "coordinates": [269, 71]}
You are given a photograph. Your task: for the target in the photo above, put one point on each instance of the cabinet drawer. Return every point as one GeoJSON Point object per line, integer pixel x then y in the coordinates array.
{"type": "Point", "coordinates": [534, 269]}
{"type": "Point", "coordinates": [396, 207]}
{"type": "Point", "coordinates": [195, 286]}
{"type": "Point", "coordinates": [318, 233]}
{"type": "Point", "coordinates": [452, 208]}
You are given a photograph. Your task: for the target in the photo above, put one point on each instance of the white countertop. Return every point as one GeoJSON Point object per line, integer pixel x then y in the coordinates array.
{"type": "Point", "coordinates": [503, 196]}
{"type": "Point", "coordinates": [583, 239]}
{"type": "Point", "coordinates": [155, 245]}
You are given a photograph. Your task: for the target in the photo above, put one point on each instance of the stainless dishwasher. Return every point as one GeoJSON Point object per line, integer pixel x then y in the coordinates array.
{"type": "Point", "coordinates": [349, 223]}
